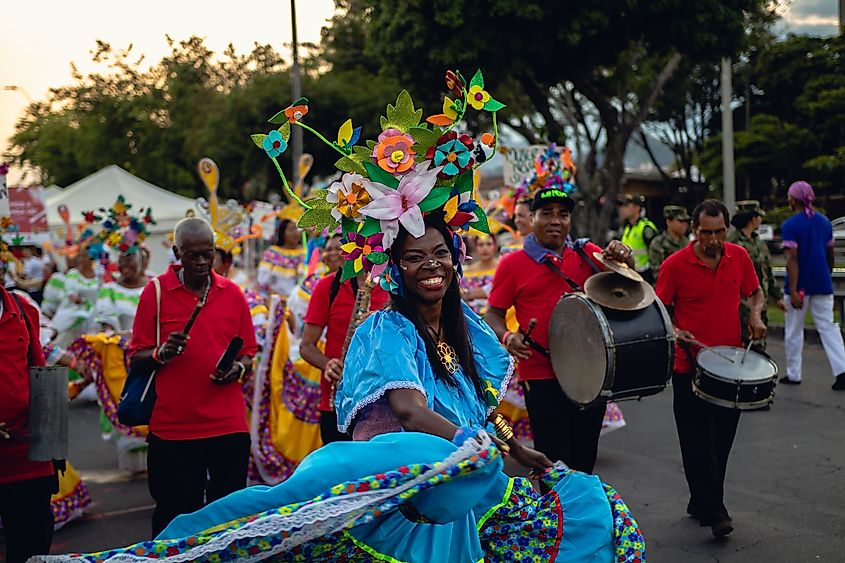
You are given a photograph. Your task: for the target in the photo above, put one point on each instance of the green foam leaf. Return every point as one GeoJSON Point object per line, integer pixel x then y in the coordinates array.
{"type": "Point", "coordinates": [481, 224]}
{"type": "Point", "coordinates": [377, 257]}
{"type": "Point", "coordinates": [348, 270]}
{"type": "Point", "coordinates": [348, 164]}
{"type": "Point", "coordinates": [493, 105]}
{"type": "Point", "coordinates": [369, 227]}
{"type": "Point", "coordinates": [279, 118]}
{"type": "Point", "coordinates": [424, 138]}
{"type": "Point", "coordinates": [477, 79]}
{"type": "Point", "coordinates": [258, 139]}
{"type": "Point", "coordinates": [435, 199]}
{"type": "Point", "coordinates": [463, 183]}
{"type": "Point", "coordinates": [285, 131]}
{"type": "Point", "coordinates": [403, 115]}
{"type": "Point", "coordinates": [348, 225]}
{"type": "Point", "coordinates": [376, 174]}
{"type": "Point", "coordinates": [317, 217]}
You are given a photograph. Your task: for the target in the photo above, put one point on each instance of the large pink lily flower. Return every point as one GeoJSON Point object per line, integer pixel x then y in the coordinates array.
{"type": "Point", "coordinates": [392, 207]}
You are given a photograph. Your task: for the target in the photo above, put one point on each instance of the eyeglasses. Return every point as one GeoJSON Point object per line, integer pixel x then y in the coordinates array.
{"type": "Point", "coordinates": [441, 256]}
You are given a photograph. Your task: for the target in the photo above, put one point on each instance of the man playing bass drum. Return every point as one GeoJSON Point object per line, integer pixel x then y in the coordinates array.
{"type": "Point", "coordinates": [704, 283]}
{"type": "Point", "coordinates": [532, 281]}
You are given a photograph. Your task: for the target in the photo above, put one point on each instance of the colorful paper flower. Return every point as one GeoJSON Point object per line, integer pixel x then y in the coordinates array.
{"type": "Point", "coordinates": [455, 83]}
{"type": "Point", "coordinates": [365, 252]}
{"type": "Point", "coordinates": [274, 144]}
{"type": "Point", "coordinates": [460, 211]}
{"type": "Point", "coordinates": [477, 97]}
{"type": "Point", "coordinates": [401, 205]}
{"type": "Point", "coordinates": [453, 153]}
{"type": "Point", "coordinates": [4, 169]}
{"type": "Point", "coordinates": [390, 280]}
{"type": "Point", "coordinates": [90, 217]}
{"type": "Point", "coordinates": [296, 112]}
{"type": "Point", "coordinates": [393, 153]}
{"type": "Point", "coordinates": [349, 196]}
{"type": "Point", "coordinates": [449, 115]}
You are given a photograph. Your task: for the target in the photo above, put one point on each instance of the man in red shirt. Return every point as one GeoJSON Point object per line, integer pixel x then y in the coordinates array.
{"type": "Point", "coordinates": [703, 284]}
{"type": "Point", "coordinates": [330, 309]}
{"type": "Point", "coordinates": [532, 280]}
{"type": "Point", "coordinates": [25, 486]}
{"type": "Point", "coordinates": [199, 442]}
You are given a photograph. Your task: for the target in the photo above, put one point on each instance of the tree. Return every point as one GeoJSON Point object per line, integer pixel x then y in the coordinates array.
{"type": "Point", "coordinates": [590, 70]}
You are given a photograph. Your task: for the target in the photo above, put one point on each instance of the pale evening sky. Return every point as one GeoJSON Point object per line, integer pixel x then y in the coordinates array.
{"type": "Point", "coordinates": [39, 40]}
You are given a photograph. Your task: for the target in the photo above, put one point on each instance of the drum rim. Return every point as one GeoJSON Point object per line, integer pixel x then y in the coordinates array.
{"type": "Point", "coordinates": [607, 332]}
{"type": "Point", "coordinates": [744, 406]}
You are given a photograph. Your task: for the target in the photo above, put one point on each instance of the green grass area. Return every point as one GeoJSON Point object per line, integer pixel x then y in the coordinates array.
{"type": "Point", "coordinates": [776, 317]}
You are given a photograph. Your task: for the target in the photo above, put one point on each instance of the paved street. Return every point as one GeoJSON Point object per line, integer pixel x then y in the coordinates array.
{"type": "Point", "coordinates": [785, 482]}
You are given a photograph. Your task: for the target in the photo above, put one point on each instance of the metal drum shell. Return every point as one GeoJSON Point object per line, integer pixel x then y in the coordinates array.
{"type": "Point", "coordinates": [605, 356]}
{"type": "Point", "coordinates": [734, 393]}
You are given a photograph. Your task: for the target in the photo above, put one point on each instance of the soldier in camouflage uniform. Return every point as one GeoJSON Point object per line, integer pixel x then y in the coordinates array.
{"type": "Point", "coordinates": [673, 239]}
{"type": "Point", "coordinates": [746, 220]}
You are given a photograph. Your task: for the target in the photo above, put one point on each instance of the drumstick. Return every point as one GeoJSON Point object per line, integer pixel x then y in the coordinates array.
{"type": "Point", "coordinates": [747, 348]}
{"type": "Point", "coordinates": [701, 345]}
{"type": "Point", "coordinates": [531, 324]}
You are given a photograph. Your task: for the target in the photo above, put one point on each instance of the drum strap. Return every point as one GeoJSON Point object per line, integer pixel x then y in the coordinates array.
{"type": "Point", "coordinates": [567, 279]}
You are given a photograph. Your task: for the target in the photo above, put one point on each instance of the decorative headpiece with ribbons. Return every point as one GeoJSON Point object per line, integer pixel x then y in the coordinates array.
{"type": "Point", "coordinates": [226, 220]}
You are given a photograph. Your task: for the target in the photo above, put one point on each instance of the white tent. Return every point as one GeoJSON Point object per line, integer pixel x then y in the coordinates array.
{"type": "Point", "coordinates": [52, 191]}
{"type": "Point", "coordinates": [101, 189]}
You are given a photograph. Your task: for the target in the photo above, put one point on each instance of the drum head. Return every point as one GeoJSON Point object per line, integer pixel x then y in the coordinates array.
{"type": "Point", "coordinates": [577, 342]}
{"type": "Point", "coordinates": [756, 367]}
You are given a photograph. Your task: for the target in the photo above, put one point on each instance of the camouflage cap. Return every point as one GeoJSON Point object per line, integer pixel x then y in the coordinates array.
{"type": "Point", "coordinates": [675, 212]}
{"type": "Point", "coordinates": [749, 206]}
{"type": "Point", "coordinates": [636, 199]}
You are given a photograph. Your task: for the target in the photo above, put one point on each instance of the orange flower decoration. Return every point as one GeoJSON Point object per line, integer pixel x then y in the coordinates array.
{"type": "Point", "coordinates": [393, 153]}
{"type": "Point", "coordinates": [295, 113]}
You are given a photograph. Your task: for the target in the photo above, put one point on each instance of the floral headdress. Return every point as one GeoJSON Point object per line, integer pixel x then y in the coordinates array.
{"type": "Point", "coordinates": [120, 231]}
{"type": "Point", "coordinates": [226, 220]}
{"type": "Point", "coordinates": [552, 168]}
{"type": "Point", "coordinates": [414, 167]}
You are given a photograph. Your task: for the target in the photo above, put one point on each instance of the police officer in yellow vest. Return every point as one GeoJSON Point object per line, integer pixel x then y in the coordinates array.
{"type": "Point", "coordinates": [638, 232]}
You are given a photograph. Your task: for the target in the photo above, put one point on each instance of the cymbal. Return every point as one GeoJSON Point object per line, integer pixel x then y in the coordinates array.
{"type": "Point", "coordinates": [618, 267]}
{"type": "Point", "coordinates": [615, 291]}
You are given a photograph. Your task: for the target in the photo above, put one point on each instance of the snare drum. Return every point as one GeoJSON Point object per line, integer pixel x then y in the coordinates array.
{"type": "Point", "coordinates": [744, 384]}
{"type": "Point", "coordinates": [598, 352]}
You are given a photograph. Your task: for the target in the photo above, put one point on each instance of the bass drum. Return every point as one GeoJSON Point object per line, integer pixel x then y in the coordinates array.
{"type": "Point", "coordinates": [603, 353]}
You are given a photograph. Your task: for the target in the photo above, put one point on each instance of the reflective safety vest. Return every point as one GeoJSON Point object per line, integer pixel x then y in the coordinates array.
{"type": "Point", "coordinates": [632, 236]}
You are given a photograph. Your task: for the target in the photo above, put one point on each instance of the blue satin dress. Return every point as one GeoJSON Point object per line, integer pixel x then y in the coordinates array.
{"type": "Point", "coordinates": [406, 496]}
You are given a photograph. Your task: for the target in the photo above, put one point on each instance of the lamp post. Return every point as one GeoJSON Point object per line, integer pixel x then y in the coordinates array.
{"type": "Point", "coordinates": [729, 179]}
{"type": "Point", "coordinates": [296, 93]}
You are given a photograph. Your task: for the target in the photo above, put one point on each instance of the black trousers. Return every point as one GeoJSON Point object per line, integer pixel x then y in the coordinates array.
{"type": "Point", "coordinates": [27, 518]}
{"type": "Point", "coordinates": [562, 430]}
{"type": "Point", "coordinates": [328, 428]}
{"type": "Point", "coordinates": [183, 475]}
{"type": "Point", "coordinates": [706, 433]}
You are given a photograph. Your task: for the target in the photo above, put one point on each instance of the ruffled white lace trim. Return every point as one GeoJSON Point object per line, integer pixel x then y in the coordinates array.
{"type": "Point", "coordinates": [375, 396]}
{"type": "Point", "coordinates": [503, 386]}
{"type": "Point", "coordinates": [308, 522]}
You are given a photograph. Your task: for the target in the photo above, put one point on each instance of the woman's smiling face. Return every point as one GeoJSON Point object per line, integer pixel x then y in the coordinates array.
{"type": "Point", "coordinates": [426, 265]}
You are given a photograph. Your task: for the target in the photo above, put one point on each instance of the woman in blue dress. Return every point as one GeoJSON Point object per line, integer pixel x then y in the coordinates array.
{"type": "Point", "coordinates": [423, 481]}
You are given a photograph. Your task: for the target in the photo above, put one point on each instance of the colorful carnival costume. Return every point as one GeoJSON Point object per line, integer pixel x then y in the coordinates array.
{"type": "Point", "coordinates": [104, 354]}
{"type": "Point", "coordinates": [280, 269]}
{"type": "Point", "coordinates": [71, 319]}
{"type": "Point", "coordinates": [406, 496]}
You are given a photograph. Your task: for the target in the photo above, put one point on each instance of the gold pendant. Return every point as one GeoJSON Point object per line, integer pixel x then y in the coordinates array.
{"type": "Point", "coordinates": [448, 357]}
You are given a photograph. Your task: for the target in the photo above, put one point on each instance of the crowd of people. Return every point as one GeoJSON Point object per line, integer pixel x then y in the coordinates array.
{"type": "Point", "coordinates": [378, 380]}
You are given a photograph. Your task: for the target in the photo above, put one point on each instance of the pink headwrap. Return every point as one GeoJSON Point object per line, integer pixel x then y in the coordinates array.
{"type": "Point", "coordinates": [803, 192]}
